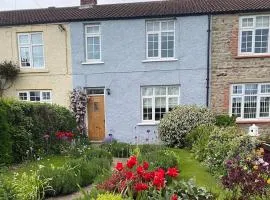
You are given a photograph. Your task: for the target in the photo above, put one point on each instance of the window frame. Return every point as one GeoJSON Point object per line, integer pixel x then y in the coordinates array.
{"type": "Point", "coordinates": [152, 97]}
{"type": "Point", "coordinates": [253, 29]}
{"type": "Point", "coordinates": [86, 46]}
{"type": "Point", "coordinates": [259, 95]}
{"type": "Point", "coordinates": [159, 39]}
{"type": "Point", "coordinates": [40, 93]}
{"type": "Point", "coordinates": [30, 45]}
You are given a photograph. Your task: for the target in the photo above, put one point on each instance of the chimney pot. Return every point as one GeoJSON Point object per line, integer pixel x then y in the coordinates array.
{"type": "Point", "coordinates": [88, 2]}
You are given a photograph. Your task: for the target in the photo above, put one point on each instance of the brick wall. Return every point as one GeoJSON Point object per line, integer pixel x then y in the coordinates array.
{"type": "Point", "coordinates": [227, 67]}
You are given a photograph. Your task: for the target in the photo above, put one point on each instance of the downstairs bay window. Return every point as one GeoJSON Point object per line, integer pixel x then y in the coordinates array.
{"type": "Point", "coordinates": [36, 96]}
{"type": "Point", "coordinates": [250, 101]}
{"type": "Point", "coordinates": [158, 100]}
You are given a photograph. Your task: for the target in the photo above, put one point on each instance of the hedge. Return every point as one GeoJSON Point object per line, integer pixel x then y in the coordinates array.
{"type": "Point", "coordinates": [28, 124]}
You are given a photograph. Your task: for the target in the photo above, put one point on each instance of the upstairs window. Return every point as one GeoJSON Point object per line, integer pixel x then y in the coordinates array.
{"type": "Point", "coordinates": [254, 35]}
{"type": "Point", "coordinates": [160, 39]}
{"type": "Point", "coordinates": [35, 96]}
{"type": "Point", "coordinates": [250, 101]}
{"type": "Point", "coordinates": [158, 100]}
{"type": "Point", "coordinates": [31, 50]}
{"type": "Point", "coordinates": [93, 43]}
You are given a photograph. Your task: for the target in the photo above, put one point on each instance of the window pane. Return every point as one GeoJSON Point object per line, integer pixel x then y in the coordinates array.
{"type": "Point", "coordinates": [38, 60]}
{"type": "Point", "coordinates": [93, 29]}
{"type": "Point", "coordinates": [247, 22]}
{"type": "Point", "coordinates": [156, 26]}
{"type": "Point", "coordinates": [237, 89]}
{"type": "Point", "coordinates": [23, 39]}
{"type": "Point", "coordinates": [167, 44]}
{"type": "Point", "coordinates": [264, 106]}
{"type": "Point", "coordinates": [149, 26]}
{"type": "Point", "coordinates": [173, 90]}
{"type": "Point", "coordinates": [147, 91]}
{"type": "Point", "coordinates": [35, 96]}
{"type": "Point", "coordinates": [46, 96]}
{"type": "Point", "coordinates": [246, 43]}
{"type": "Point", "coordinates": [147, 108]}
{"type": "Point", "coordinates": [265, 88]}
{"type": "Point", "coordinates": [93, 48]}
{"type": "Point", "coordinates": [262, 21]}
{"type": "Point", "coordinates": [173, 101]}
{"type": "Point", "coordinates": [160, 90]}
{"type": "Point", "coordinates": [36, 38]}
{"type": "Point", "coordinates": [164, 26]}
{"type": "Point", "coordinates": [261, 41]}
{"type": "Point", "coordinates": [236, 106]}
{"type": "Point", "coordinates": [160, 107]}
{"type": "Point", "coordinates": [152, 45]}
{"type": "Point", "coordinates": [25, 56]}
{"type": "Point", "coordinates": [23, 96]}
{"type": "Point", "coordinates": [251, 88]}
{"type": "Point", "coordinates": [250, 106]}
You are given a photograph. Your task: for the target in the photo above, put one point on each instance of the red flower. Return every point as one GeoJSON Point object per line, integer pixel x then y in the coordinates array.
{"type": "Point", "coordinates": [140, 170]}
{"type": "Point", "coordinates": [145, 165]}
{"type": "Point", "coordinates": [148, 176]}
{"type": "Point", "coordinates": [119, 166]}
{"type": "Point", "coordinates": [159, 180]}
{"type": "Point", "coordinates": [172, 172]}
{"type": "Point", "coordinates": [131, 162]}
{"type": "Point", "coordinates": [174, 197]}
{"type": "Point", "coordinates": [129, 175]}
{"type": "Point", "coordinates": [140, 187]}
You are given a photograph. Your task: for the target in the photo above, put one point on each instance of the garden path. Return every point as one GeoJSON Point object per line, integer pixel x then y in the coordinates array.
{"type": "Point", "coordinates": [77, 195]}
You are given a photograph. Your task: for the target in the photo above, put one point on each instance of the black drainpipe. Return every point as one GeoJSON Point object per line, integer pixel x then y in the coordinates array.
{"type": "Point", "coordinates": [208, 61]}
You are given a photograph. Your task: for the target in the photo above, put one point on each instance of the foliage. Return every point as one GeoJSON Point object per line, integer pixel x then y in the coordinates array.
{"type": "Point", "coordinates": [265, 137]}
{"type": "Point", "coordinates": [178, 123]}
{"type": "Point", "coordinates": [225, 143]}
{"type": "Point", "coordinates": [5, 138]}
{"type": "Point", "coordinates": [78, 104]}
{"type": "Point", "coordinates": [97, 153]}
{"type": "Point", "coordinates": [188, 190]}
{"type": "Point", "coordinates": [162, 158]}
{"type": "Point", "coordinates": [247, 176]}
{"type": "Point", "coordinates": [225, 120]}
{"type": "Point", "coordinates": [8, 73]}
{"type": "Point", "coordinates": [32, 128]}
{"type": "Point", "coordinates": [117, 149]}
{"type": "Point", "coordinates": [109, 196]}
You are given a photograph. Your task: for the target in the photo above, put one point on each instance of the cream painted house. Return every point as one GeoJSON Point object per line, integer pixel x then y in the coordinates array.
{"type": "Point", "coordinates": [43, 53]}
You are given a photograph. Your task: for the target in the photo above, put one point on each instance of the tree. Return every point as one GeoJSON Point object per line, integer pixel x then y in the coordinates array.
{"type": "Point", "coordinates": [8, 73]}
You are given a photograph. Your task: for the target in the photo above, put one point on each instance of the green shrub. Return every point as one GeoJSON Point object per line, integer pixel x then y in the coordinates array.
{"type": "Point", "coordinates": [178, 123]}
{"type": "Point", "coordinates": [117, 149]}
{"type": "Point", "coordinates": [198, 140]}
{"type": "Point", "coordinates": [109, 196]}
{"type": "Point", "coordinates": [5, 138]}
{"type": "Point", "coordinates": [162, 158]}
{"type": "Point", "coordinates": [226, 143]}
{"type": "Point", "coordinates": [146, 148]}
{"type": "Point", "coordinates": [97, 153]}
{"type": "Point", "coordinates": [225, 120]}
{"type": "Point", "coordinates": [29, 122]}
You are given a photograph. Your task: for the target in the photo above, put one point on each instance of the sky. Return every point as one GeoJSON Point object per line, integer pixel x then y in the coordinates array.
{"type": "Point", "coordinates": [29, 4]}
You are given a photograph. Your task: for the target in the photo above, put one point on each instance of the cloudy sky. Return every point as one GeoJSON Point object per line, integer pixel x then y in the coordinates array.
{"type": "Point", "coordinates": [27, 4]}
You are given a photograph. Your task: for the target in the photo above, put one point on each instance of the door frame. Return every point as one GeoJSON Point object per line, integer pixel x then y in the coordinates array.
{"type": "Point", "coordinates": [87, 117]}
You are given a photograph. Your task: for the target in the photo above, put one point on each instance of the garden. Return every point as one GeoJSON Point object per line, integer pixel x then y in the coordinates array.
{"type": "Point", "coordinates": [45, 153]}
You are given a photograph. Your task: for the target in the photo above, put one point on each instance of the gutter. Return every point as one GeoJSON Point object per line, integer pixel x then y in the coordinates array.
{"type": "Point", "coordinates": [208, 61]}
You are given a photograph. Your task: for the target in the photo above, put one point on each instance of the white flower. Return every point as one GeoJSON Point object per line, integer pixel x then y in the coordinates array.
{"type": "Point", "coordinates": [261, 161]}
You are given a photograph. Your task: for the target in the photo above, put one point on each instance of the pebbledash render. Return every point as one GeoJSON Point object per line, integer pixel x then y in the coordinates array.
{"type": "Point", "coordinates": [240, 80]}
{"type": "Point", "coordinates": [142, 67]}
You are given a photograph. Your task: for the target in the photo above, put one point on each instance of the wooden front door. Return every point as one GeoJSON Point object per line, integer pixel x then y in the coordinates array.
{"type": "Point", "coordinates": [96, 118]}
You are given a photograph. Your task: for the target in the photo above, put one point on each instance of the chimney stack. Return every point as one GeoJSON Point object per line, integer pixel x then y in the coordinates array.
{"type": "Point", "coordinates": [88, 2]}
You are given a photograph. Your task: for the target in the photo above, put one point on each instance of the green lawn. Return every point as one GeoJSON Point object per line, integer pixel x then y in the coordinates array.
{"type": "Point", "coordinates": [191, 168]}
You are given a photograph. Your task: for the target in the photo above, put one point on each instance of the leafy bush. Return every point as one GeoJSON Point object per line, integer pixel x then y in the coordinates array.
{"type": "Point", "coordinates": [178, 123]}
{"type": "Point", "coordinates": [117, 149]}
{"type": "Point", "coordinates": [162, 158]}
{"type": "Point", "coordinates": [97, 153]}
{"type": "Point", "coordinates": [225, 120]}
{"type": "Point", "coordinates": [109, 196]}
{"type": "Point", "coordinates": [225, 143]}
{"type": "Point", "coordinates": [29, 123]}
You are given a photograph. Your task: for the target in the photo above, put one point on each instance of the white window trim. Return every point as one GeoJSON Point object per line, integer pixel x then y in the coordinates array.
{"type": "Point", "coordinates": [159, 42]}
{"type": "Point", "coordinates": [153, 121]}
{"type": "Point", "coordinates": [30, 46]}
{"type": "Point", "coordinates": [92, 61]}
{"type": "Point", "coordinates": [253, 36]}
{"type": "Point", "coordinates": [41, 97]}
{"type": "Point", "coordinates": [242, 95]}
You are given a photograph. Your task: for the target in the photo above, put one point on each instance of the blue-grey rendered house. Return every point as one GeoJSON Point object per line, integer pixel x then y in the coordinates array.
{"type": "Point", "coordinates": [136, 62]}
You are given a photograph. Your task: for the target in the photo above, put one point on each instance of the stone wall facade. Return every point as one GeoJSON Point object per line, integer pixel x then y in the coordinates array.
{"type": "Point", "coordinates": [229, 68]}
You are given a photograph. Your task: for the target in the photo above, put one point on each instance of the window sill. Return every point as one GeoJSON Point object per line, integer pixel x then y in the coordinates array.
{"type": "Point", "coordinates": [252, 56]}
{"type": "Point", "coordinates": [252, 121]}
{"type": "Point", "coordinates": [160, 60]}
{"type": "Point", "coordinates": [148, 124]}
{"type": "Point", "coordinates": [26, 71]}
{"type": "Point", "coordinates": [93, 63]}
